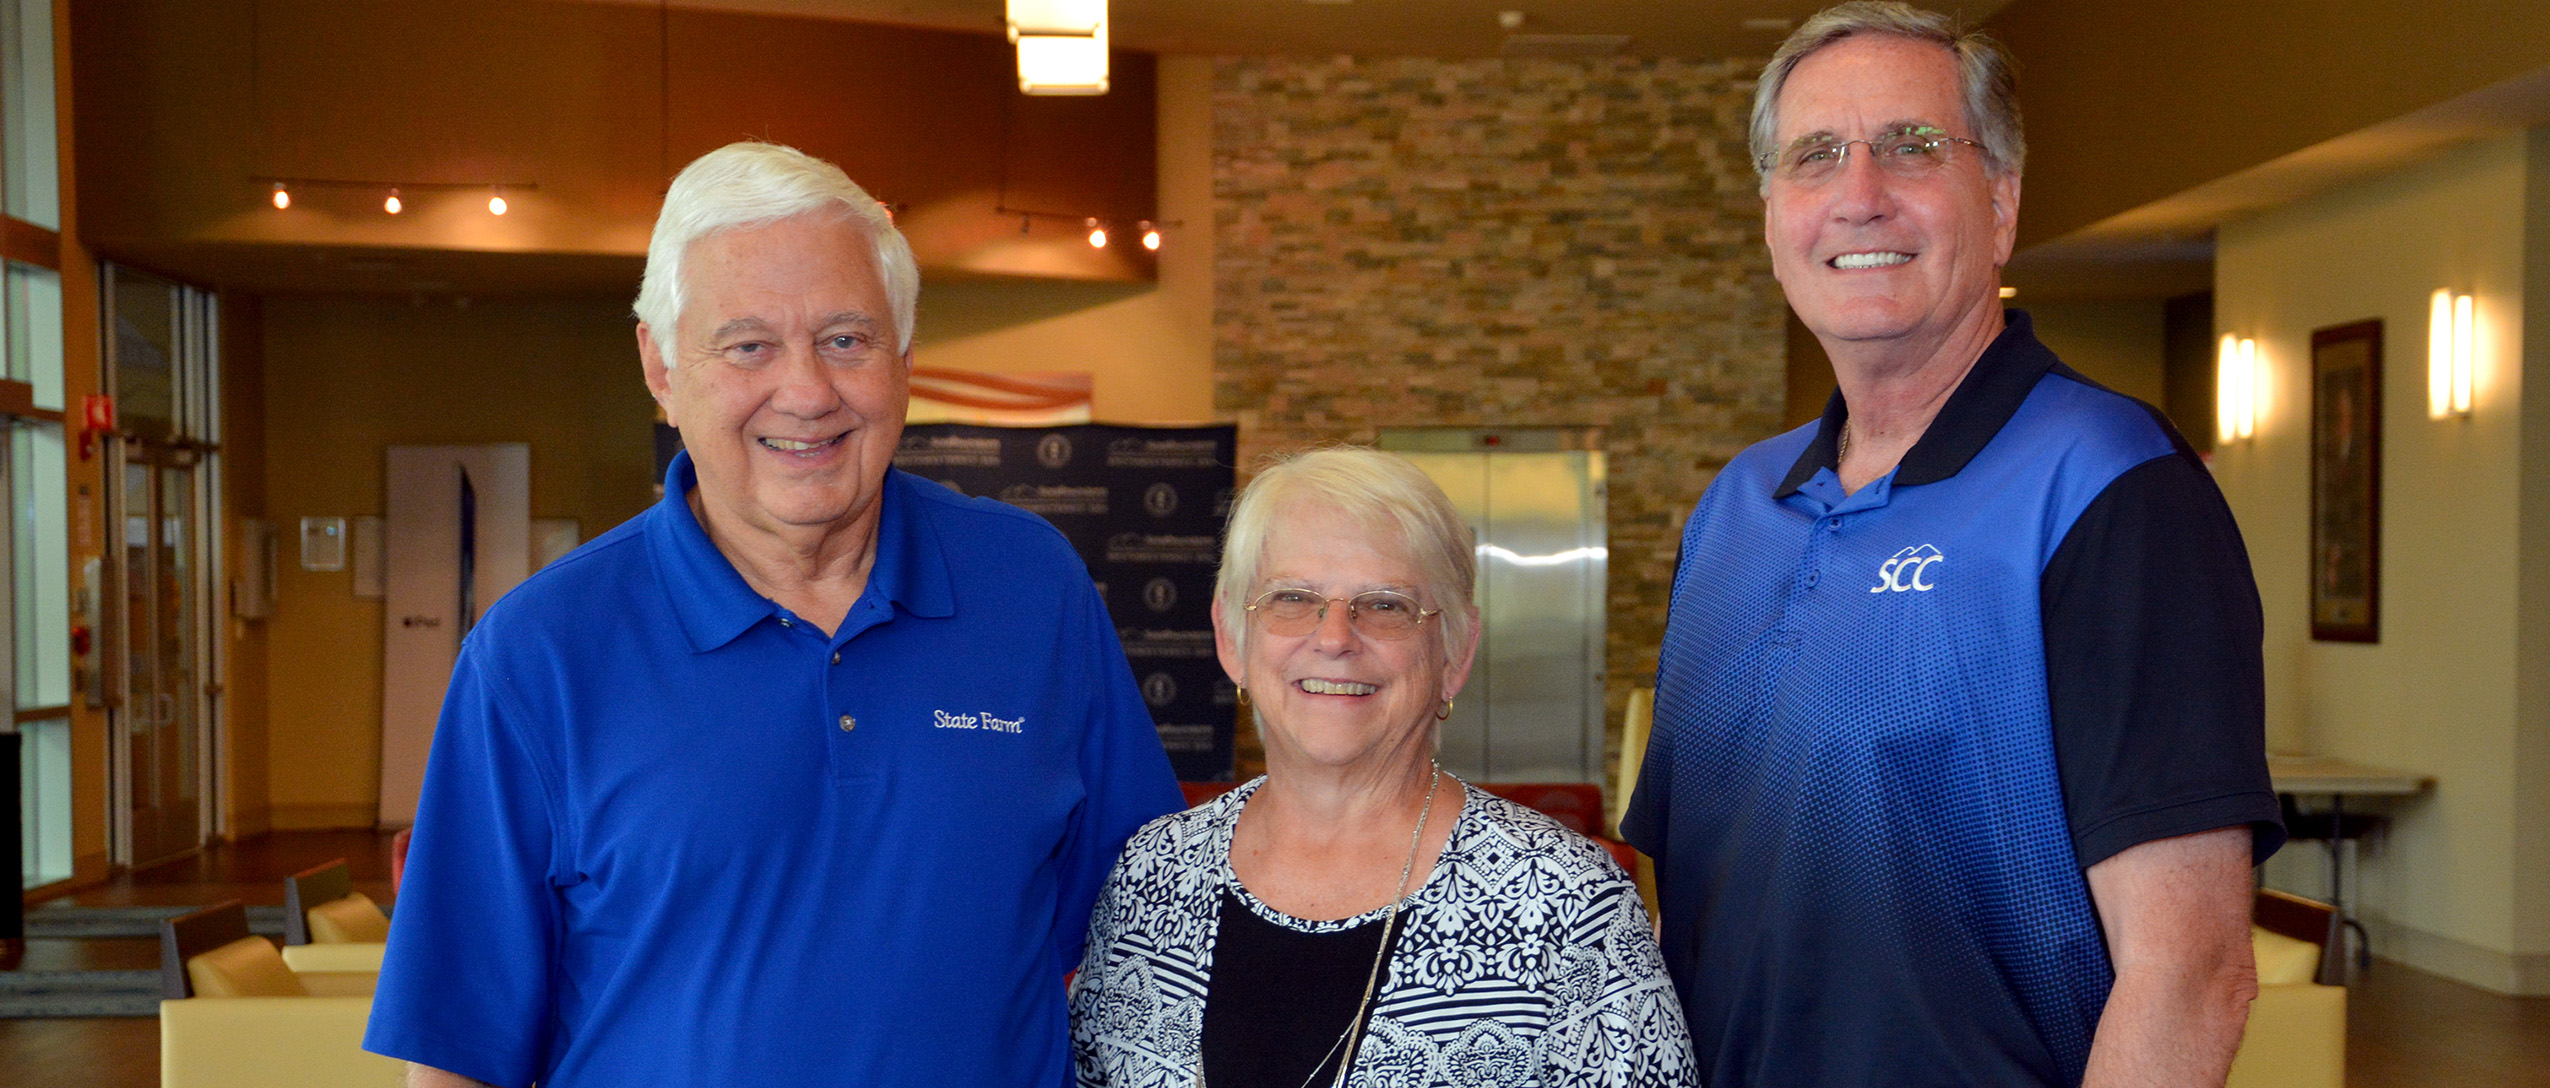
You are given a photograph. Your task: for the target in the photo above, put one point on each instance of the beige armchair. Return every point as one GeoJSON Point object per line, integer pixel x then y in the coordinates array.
{"type": "Point", "coordinates": [234, 1015]}
{"type": "Point", "coordinates": [2297, 1026]}
{"type": "Point", "coordinates": [330, 927]}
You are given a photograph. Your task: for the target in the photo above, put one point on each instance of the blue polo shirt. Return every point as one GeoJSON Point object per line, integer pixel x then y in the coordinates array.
{"type": "Point", "coordinates": [671, 834]}
{"type": "Point", "coordinates": [1894, 727]}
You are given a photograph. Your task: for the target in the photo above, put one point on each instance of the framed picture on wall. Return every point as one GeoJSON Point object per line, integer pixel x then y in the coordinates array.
{"type": "Point", "coordinates": [2346, 483]}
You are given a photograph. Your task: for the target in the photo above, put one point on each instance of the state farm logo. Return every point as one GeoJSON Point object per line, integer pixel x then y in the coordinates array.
{"type": "Point", "coordinates": [1160, 500]}
{"type": "Point", "coordinates": [1908, 571]}
{"type": "Point", "coordinates": [1053, 451]}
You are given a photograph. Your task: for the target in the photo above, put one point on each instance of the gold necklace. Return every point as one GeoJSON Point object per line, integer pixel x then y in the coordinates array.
{"type": "Point", "coordinates": [1351, 1039]}
{"type": "Point", "coordinates": [1842, 450]}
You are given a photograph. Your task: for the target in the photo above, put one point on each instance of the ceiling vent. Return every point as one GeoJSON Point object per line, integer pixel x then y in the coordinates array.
{"type": "Point", "coordinates": [1564, 45]}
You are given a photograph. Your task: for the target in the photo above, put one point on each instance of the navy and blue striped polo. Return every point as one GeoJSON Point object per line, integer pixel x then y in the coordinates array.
{"type": "Point", "coordinates": [1893, 728]}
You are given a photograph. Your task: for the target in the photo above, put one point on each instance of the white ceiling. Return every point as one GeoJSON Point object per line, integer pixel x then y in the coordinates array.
{"type": "Point", "coordinates": [1437, 28]}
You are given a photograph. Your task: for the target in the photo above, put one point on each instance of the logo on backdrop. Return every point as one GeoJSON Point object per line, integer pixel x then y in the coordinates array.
{"type": "Point", "coordinates": [1157, 452]}
{"type": "Point", "coordinates": [1159, 689]}
{"type": "Point", "coordinates": [1908, 571]}
{"type": "Point", "coordinates": [1160, 595]}
{"type": "Point", "coordinates": [1160, 500]}
{"type": "Point", "coordinates": [1053, 451]}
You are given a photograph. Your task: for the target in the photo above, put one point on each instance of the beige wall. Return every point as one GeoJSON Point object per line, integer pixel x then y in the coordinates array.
{"type": "Point", "coordinates": [2116, 344]}
{"type": "Point", "coordinates": [2532, 636]}
{"type": "Point", "coordinates": [347, 378]}
{"type": "Point", "coordinates": [2437, 694]}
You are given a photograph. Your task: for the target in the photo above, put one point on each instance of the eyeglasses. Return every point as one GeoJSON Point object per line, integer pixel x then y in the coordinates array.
{"type": "Point", "coordinates": [1910, 154]}
{"type": "Point", "coordinates": [1378, 614]}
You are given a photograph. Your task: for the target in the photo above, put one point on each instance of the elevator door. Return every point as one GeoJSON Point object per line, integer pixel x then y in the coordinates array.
{"type": "Point", "coordinates": [1533, 708]}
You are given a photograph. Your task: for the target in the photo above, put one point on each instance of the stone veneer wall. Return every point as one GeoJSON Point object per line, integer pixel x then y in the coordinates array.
{"type": "Point", "coordinates": [1482, 243]}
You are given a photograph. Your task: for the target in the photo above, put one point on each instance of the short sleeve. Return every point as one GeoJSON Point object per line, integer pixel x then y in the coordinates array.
{"type": "Point", "coordinates": [1124, 769]}
{"type": "Point", "coordinates": [466, 984]}
{"type": "Point", "coordinates": [2153, 636]}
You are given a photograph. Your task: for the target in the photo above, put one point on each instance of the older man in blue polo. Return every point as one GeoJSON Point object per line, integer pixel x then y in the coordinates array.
{"type": "Point", "coordinates": [1959, 761]}
{"type": "Point", "coordinates": [695, 814]}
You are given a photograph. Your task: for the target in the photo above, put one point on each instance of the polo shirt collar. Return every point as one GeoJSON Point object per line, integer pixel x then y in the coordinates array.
{"type": "Point", "coordinates": [713, 603]}
{"type": "Point", "coordinates": [1989, 395]}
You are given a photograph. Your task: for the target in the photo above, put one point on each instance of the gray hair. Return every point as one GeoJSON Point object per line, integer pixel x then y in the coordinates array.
{"type": "Point", "coordinates": [1986, 79]}
{"type": "Point", "coordinates": [1395, 503]}
{"type": "Point", "coordinates": [752, 184]}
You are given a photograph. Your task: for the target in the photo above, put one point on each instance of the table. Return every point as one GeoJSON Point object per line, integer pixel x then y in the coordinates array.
{"type": "Point", "coordinates": [2338, 779]}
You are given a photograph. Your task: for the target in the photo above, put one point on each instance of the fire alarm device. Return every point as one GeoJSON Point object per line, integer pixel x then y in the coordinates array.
{"type": "Point", "coordinates": [97, 417]}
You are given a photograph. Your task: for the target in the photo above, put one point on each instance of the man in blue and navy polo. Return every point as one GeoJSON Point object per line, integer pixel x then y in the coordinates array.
{"type": "Point", "coordinates": [808, 775]}
{"type": "Point", "coordinates": [1958, 765]}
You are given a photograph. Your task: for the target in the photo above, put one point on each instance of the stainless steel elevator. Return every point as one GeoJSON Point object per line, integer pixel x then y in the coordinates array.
{"type": "Point", "coordinates": [1534, 499]}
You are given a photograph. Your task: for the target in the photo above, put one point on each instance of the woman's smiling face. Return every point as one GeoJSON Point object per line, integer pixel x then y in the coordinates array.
{"type": "Point", "coordinates": [1334, 696]}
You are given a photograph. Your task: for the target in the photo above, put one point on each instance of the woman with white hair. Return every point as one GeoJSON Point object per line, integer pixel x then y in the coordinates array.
{"type": "Point", "coordinates": [1357, 915]}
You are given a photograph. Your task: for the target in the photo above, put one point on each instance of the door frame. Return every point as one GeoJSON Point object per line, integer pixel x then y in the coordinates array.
{"type": "Point", "coordinates": [194, 387]}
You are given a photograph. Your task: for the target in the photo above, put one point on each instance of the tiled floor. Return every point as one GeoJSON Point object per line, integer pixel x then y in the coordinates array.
{"type": "Point", "coordinates": [2405, 1028]}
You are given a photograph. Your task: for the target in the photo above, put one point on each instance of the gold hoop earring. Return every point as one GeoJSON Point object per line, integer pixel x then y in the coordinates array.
{"type": "Point", "coordinates": [1243, 688]}
{"type": "Point", "coordinates": [1445, 714]}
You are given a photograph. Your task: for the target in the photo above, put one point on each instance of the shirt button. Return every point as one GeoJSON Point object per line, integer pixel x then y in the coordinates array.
{"type": "Point", "coordinates": [848, 723]}
{"type": "Point", "coordinates": [1810, 578]}
{"type": "Point", "coordinates": [836, 657]}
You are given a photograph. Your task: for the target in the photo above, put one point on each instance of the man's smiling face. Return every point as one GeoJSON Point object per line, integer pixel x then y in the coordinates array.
{"type": "Point", "coordinates": [788, 389]}
{"type": "Point", "coordinates": [1867, 255]}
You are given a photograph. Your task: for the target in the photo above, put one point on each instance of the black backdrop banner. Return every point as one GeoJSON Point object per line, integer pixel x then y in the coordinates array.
{"type": "Point", "coordinates": [1144, 508]}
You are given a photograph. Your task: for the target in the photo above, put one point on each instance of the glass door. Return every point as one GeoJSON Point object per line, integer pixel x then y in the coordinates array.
{"type": "Point", "coordinates": [160, 365]}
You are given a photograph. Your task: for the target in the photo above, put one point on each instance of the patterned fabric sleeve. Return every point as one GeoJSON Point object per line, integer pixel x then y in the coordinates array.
{"type": "Point", "coordinates": [1090, 982]}
{"type": "Point", "coordinates": [1617, 1021]}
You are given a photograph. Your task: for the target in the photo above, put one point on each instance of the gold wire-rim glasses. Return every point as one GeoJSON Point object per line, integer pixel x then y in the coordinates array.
{"type": "Point", "coordinates": [1906, 153]}
{"type": "Point", "coordinates": [1375, 613]}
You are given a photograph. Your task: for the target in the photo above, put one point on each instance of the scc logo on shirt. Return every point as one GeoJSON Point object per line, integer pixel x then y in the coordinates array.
{"type": "Point", "coordinates": [1908, 571]}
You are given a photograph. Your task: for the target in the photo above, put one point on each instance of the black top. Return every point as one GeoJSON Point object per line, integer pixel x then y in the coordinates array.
{"type": "Point", "coordinates": [1280, 998]}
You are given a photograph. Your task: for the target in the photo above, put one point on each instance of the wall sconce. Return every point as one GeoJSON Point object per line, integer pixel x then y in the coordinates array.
{"type": "Point", "coordinates": [2449, 353]}
{"type": "Point", "coordinates": [2236, 380]}
{"type": "Point", "coordinates": [1062, 45]}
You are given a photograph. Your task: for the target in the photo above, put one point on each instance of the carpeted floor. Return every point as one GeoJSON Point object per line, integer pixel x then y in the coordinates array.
{"type": "Point", "coordinates": [67, 923]}
{"type": "Point", "coordinates": [30, 995]}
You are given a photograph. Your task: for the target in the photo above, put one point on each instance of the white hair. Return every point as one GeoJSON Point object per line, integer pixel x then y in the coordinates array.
{"type": "Point", "coordinates": [1986, 80]}
{"type": "Point", "coordinates": [751, 184]}
{"type": "Point", "coordinates": [1396, 505]}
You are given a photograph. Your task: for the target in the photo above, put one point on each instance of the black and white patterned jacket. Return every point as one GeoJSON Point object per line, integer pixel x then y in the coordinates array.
{"type": "Point", "coordinates": [1525, 959]}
